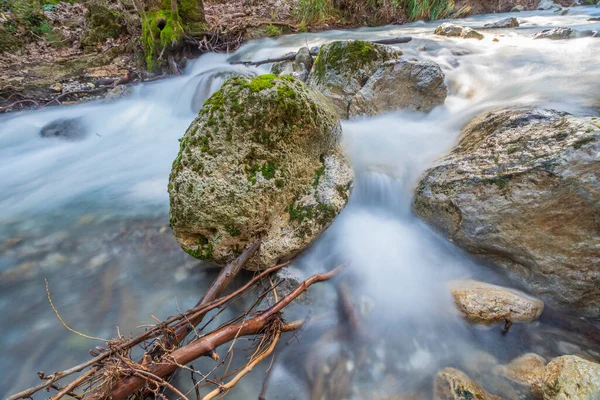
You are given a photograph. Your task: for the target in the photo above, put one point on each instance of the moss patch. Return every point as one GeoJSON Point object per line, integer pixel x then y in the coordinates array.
{"type": "Point", "coordinates": [583, 142]}
{"type": "Point", "coordinates": [103, 23]}
{"type": "Point", "coordinates": [352, 56]}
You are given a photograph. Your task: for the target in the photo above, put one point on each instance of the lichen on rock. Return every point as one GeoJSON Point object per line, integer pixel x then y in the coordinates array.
{"type": "Point", "coordinates": [262, 159]}
{"type": "Point", "coordinates": [521, 189]}
{"type": "Point", "coordinates": [571, 377]}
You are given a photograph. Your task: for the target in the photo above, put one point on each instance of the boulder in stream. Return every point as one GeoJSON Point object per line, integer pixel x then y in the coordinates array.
{"type": "Point", "coordinates": [401, 84]}
{"type": "Point", "coordinates": [299, 67]}
{"type": "Point", "coordinates": [571, 377]}
{"type": "Point", "coordinates": [262, 159]}
{"type": "Point", "coordinates": [65, 128]}
{"type": "Point", "coordinates": [483, 303]}
{"type": "Point", "coordinates": [521, 189]}
{"type": "Point", "coordinates": [367, 78]}
{"type": "Point", "coordinates": [526, 371]}
{"type": "Point", "coordinates": [453, 384]}
{"type": "Point", "coordinates": [510, 22]}
{"type": "Point", "coordinates": [342, 68]}
{"type": "Point", "coordinates": [453, 30]}
{"type": "Point", "coordinates": [555, 33]}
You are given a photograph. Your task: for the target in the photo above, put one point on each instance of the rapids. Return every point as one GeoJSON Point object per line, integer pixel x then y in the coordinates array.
{"type": "Point", "coordinates": [91, 216]}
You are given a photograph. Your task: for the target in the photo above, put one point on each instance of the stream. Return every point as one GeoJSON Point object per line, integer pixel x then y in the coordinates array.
{"type": "Point", "coordinates": [91, 216]}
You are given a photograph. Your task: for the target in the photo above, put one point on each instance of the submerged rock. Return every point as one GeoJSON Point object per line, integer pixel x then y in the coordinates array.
{"type": "Point", "coordinates": [65, 128]}
{"type": "Point", "coordinates": [571, 377]}
{"type": "Point", "coordinates": [453, 30]}
{"type": "Point", "coordinates": [483, 303]}
{"type": "Point", "coordinates": [260, 160]}
{"type": "Point", "coordinates": [555, 33]}
{"type": "Point", "coordinates": [342, 68]}
{"type": "Point", "coordinates": [399, 84]}
{"type": "Point", "coordinates": [527, 371]}
{"type": "Point", "coordinates": [510, 22]}
{"type": "Point", "coordinates": [521, 189]}
{"type": "Point", "coordinates": [299, 67]}
{"type": "Point", "coordinates": [452, 384]}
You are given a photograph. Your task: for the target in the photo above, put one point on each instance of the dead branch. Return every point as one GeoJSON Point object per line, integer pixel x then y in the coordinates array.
{"type": "Point", "coordinates": [149, 334]}
{"type": "Point", "coordinates": [73, 385]}
{"type": "Point", "coordinates": [16, 103]}
{"type": "Point", "coordinates": [184, 355]}
{"type": "Point", "coordinates": [246, 370]}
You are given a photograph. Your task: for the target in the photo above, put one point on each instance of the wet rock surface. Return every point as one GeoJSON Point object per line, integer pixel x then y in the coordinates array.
{"type": "Point", "coordinates": [571, 377]}
{"type": "Point", "coordinates": [482, 303]}
{"type": "Point", "coordinates": [559, 33]}
{"type": "Point", "coordinates": [260, 160]}
{"type": "Point", "coordinates": [510, 22]}
{"type": "Point", "coordinates": [526, 370]}
{"type": "Point", "coordinates": [401, 84]}
{"type": "Point", "coordinates": [521, 190]}
{"type": "Point", "coordinates": [452, 30]}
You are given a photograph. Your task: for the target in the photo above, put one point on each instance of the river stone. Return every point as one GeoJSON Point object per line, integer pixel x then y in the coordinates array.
{"type": "Point", "coordinates": [510, 22]}
{"type": "Point", "coordinates": [452, 384]}
{"type": "Point", "coordinates": [571, 377]}
{"type": "Point", "coordinates": [483, 303]}
{"type": "Point", "coordinates": [555, 33]}
{"type": "Point", "coordinates": [398, 84]}
{"type": "Point", "coordinates": [341, 69]}
{"type": "Point", "coordinates": [453, 30]}
{"type": "Point", "coordinates": [65, 128]}
{"type": "Point", "coordinates": [526, 370]}
{"type": "Point", "coordinates": [299, 67]}
{"type": "Point", "coordinates": [261, 159]}
{"type": "Point", "coordinates": [521, 189]}
{"type": "Point", "coordinates": [517, 8]}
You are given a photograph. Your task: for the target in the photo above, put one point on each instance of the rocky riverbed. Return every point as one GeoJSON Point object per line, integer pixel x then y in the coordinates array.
{"type": "Point", "coordinates": [491, 142]}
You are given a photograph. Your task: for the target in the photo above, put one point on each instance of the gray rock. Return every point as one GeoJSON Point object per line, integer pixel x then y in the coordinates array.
{"type": "Point", "coordinates": [298, 68]}
{"type": "Point", "coordinates": [526, 371]}
{"type": "Point", "coordinates": [555, 33]}
{"type": "Point", "coordinates": [342, 68]}
{"type": "Point", "coordinates": [571, 377]}
{"type": "Point", "coordinates": [517, 8]}
{"type": "Point", "coordinates": [521, 190]}
{"type": "Point", "coordinates": [398, 84]}
{"type": "Point", "coordinates": [65, 128]}
{"type": "Point", "coordinates": [261, 160]}
{"type": "Point", "coordinates": [453, 30]}
{"type": "Point", "coordinates": [510, 22]}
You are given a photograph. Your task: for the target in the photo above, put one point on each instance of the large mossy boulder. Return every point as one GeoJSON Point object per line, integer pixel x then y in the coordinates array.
{"type": "Point", "coordinates": [522, 190]}
{"type": "Point", "coordinates": [571, 377]}
{"type": "Point", "coordinates": [262, 159]}
{"type": "Point", "coordinates": [342, 68]}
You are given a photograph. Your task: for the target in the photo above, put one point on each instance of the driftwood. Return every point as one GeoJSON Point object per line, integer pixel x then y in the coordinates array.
{"type": "Point", "coordinates": [289, 57]}
{"type": "Point", "coordinates": [113, 374]}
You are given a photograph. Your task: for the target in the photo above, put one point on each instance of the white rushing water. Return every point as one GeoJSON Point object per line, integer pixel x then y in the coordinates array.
{"type": "Point", "coordinates": [120, 172]}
